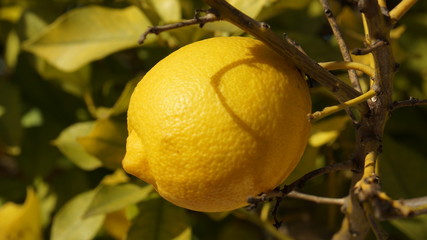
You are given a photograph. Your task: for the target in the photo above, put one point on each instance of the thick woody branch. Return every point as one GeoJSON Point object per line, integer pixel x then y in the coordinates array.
{"type": "Point", "coordinates": [263, 32]}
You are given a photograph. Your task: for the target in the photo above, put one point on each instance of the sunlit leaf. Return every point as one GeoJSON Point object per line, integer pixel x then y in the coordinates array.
{"type": "Point", "coordinates": [70, 147]}
{"type": "Point", "coordinates": [87, 34]}
{"type": "Point", "coordinates": [168, 10]}
{"type": "Point", "coordinates": [326, 131]}
{"type": "Point", "coordinates": [70, 224]}
{"type": "Point", "coordinates": [11, 13]}
{"type": "Point", "coordinates": [273, 8]}
{"type": "Point", "coordinates": [116, 224]}
{"type": "Point", "coordinates": [107, 142]}
{"type": "Point", "coordinates": [32, 118]}
{"type": "Point", "coordinates": [119, 176]}
{"type": "Point", "coordinates": [75, 82]}
{"type": "Point", "coordinates": [122, 103]}
{"type": "Point", "coordinates": [160, 220]}
{"type": "Point", "coordinates": [12, 49]}
{"type": "Point", "coordinates": [113, 198]}
{"type": "Point", "coordinates": [414, 227]}
{"type": "Point", "coordinates": [48, 201]}
{"type": "Point", "coordinates": [31, 24]}
{"type": "Point", "coordinates": [21, 222]}
{"type": "Point", "coordinates": [306, 164]}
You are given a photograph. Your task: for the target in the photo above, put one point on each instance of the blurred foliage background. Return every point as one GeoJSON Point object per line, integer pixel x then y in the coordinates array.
{"type": "Point", "coordinates": [68, 68]}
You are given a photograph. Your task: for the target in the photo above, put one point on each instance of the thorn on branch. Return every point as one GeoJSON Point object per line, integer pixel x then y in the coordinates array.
{"type": "Point", "coordinates": [369, 49]}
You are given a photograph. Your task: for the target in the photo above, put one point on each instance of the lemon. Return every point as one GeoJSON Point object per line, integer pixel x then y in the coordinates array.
{"type": "Point", "coordinates": [216, 122]}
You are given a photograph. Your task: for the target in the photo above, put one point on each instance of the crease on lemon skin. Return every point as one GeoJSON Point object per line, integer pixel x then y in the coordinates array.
{"type": "Point", "coordinates": [135, 161]}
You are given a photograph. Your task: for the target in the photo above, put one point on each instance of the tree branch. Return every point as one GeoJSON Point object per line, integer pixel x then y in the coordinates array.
{"type": "Point", "coordinates": [300, 182]}
{"type": "Point", "coordinates": [316, 199]}
{"type": "Point", "coordinates": [200, 20]}
{"type": "Point", "coordinates": [262, 31]}
{"type": "Point", "coordinates": [411, 102]}
{"type": "Point", "coordinates": [341, 43]}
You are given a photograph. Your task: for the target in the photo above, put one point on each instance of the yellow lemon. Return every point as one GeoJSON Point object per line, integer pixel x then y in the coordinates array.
{"type": "Point", "coordinates": [216, 122]}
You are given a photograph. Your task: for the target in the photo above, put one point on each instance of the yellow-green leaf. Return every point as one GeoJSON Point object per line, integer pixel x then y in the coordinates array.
{"type": "Point", "coordinates": [11, 13]}
{"type": "Point", "coordinates": [106, 142]}
{"type": "Point", "coordinates": [21, 222]}
{"type": "Point", "coordinates": [168, 10]}
{"type": "Point", "coordinates": [160, 220]}
{"type": "Point", "coordinates": [113, 198]}
{"type": "Point", "coordinates": [75, 82]}
{"type": "Point", "coordinates": [70, 223]}
{"type": "Point", "coordinates": [87, 34]}
{"type": "Point", "coordinates": [12, 49]}
{"type": "Point", "coordinates": [68, 145]}
{"type": "Point", "coordinates": [121, 105]}
{"type": "Point", "coordinates": [326, 131]}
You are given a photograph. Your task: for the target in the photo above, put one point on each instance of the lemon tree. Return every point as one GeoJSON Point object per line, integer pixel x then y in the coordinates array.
{"type": "Point", "coordinates": [207, 126]}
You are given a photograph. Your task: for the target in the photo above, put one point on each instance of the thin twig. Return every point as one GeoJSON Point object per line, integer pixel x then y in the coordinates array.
{"type": "Point", "coordinates": [200, 20]}
{"type": "Point", "coordinates": [370, 48]}
{"type": "Point", "coordinates": [316, 199]}
{"type": "Point", "coordinates": [300, 182]}
{"type": "Point", "coordinates": [411, 102]}
{"type": "Point", "coordinates": [341, 44]}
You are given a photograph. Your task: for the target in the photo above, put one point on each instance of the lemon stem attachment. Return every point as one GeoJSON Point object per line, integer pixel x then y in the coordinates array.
{"type": "Point", "coordinates": [333, 109]}
{"type": "Point", "coordinates": [337, 65]}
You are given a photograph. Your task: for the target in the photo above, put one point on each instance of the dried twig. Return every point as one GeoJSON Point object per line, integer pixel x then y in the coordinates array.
{"type": "Point", "coordinates": [299, 183]}
{"type": "Point", "coordinates": [411, 102]}
{"type": "Point", "coordinates": [370, 48]}
{"type": "Point", "coordinates": [316, 199]}
{"type": "Point", "coordinates": [210, 16]}
{"type": "Point", "coordinates": [341, 43]}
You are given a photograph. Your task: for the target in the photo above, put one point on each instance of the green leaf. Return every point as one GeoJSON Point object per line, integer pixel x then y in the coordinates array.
{"type": "Point", "coordinates": [122, 103]}
{"type": "Point", "coordinates": [399, 170]}
{"type": "Point", "coordinates": [414, 227]}
{"type": "Point", "coordinates": [168, 10]}
{"type": "Point", "coordinates": [112, 198]}
{"type": "Point", "coordinates": [75, 82]}
{"type": "Point", "coordinates": [31, 24]}
{"type": "Point", "coordinates": [87, 34]}
{"type": "Point", "coordinates": [10, 115]}
{"type": "Point", "coordinates": [12, 49]}
{"type": "Point", "coordinates": [69, 223]}
{"type": "Point", "coordinates": [160, 220]}
{"type": "Point", "coordinates": [69, 146]}
{"type": "Point", "coordinates": [11, 13]}
{"type": "Point", "coordinates": [107, 142]}
{"type": "Point", "coordinates": [326, 131]}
